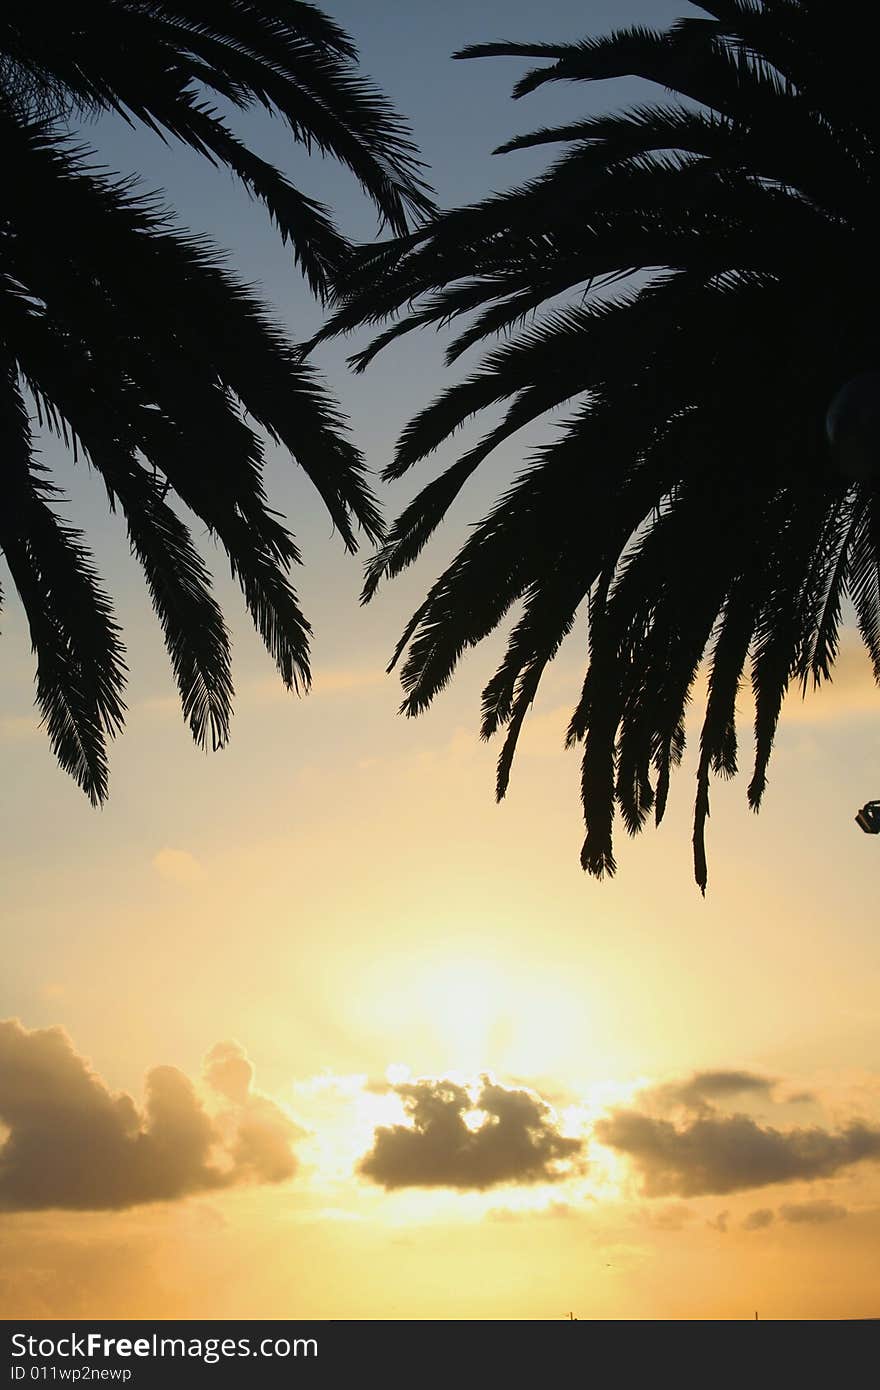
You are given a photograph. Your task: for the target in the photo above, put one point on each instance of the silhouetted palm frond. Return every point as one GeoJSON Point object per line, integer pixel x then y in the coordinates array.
{"type": "Point", "coordinates": [131, 339]}
{"type": "Point", "coordinates": [165, 62]}
{"type": "Point", "coordinates": [716, 248]}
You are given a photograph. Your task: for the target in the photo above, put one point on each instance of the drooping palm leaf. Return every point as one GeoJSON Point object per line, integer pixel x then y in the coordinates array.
{"type": "Point", "coordinates": [713, 246]}
{"type": "Point", "coordinates": [132, 340]}
{"type": "Point", "coordinates": [164, 62]}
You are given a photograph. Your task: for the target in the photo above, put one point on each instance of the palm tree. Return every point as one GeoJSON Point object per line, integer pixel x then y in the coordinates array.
{"type": "Point", "coordinates": [129, 338]}
{"type": "Point", "coordinates": [709, 255]}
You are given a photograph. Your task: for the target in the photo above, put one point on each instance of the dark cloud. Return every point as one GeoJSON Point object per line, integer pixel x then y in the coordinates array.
{"type": "Point", "coordinates": [73, 1143]}
{"type": "Point", "coordinates": [759, 1220]}
{"type": "Point", "coordinates": [800, 1098]}
{"type": "Point", "coordinates": [814, 1213]}
{"type": "Point", "coordinates": [720, 1222]}
{"type": "Point", "coordinates": [697, 1091]}
{"type": "Point", "coordinates": [714, 1153]}
{"type": "Point", "coordinates": [669, 1218]}
{"type": "Point", "coordinates": [516, 1141]}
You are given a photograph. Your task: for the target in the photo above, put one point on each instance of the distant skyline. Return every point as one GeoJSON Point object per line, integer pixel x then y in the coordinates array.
{"type": "Point", "coordinates": [318, 926]}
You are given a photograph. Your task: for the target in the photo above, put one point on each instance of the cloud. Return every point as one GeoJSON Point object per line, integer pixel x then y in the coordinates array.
{"type": "Point", "coordinates": [699, 1090]}
{"type": "Point", "coordinates": [178, 865]}
{"type": "Point", "coordinates": [261, 1132]}
{"type": "Point", "coordinates": [714, 1153]}
{"type": "Point", "coordinates": [553, 1211]}
{"type": "Point", "coordinates": [759, 1220]}
{"type": "Point", "coordinates": [228, 1071]}
{"type": "Point", "coordinates": [72, 1143]}
{"type": "Point", "coordinates": [812, 1213]}
{"type": "Point", "coordinates": [669, 1218]}
{"type": "Point", "coordinates": [334, 682]}
{"type": "Point", "coordinates": [469, 1141]}
{"type": "Point", "coordinates": [851, 694]}
{"type": "Point", "coordinates": [720, 1222]}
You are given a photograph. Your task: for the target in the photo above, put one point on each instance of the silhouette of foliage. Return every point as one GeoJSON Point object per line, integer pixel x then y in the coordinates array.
{"type": "Point", "coordinates": [131, 340]}
{"type": "Point", "coordinates": [714, 248]}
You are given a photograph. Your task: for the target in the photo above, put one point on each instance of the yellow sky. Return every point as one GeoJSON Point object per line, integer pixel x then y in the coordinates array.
{"type": "Point", "coordinates": [339, 894]}
{"type": "Point", "coordinates": [337, 898]}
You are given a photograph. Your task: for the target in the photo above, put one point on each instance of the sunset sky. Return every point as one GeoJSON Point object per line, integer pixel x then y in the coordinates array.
{"type": "Point", "coordinates": [311, 1027]}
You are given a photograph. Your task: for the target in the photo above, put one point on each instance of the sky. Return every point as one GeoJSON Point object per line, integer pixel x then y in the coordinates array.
{"type": "Point", "coordinates": [311, 1027]}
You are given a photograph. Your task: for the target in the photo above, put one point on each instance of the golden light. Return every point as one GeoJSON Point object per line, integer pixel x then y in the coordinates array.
{"type": "Point", "coordinates": [467, 1013]}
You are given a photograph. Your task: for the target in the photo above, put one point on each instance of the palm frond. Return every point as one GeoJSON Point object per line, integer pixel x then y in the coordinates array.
{"type": "Point", "coordinates": [80, 665]}
{"type": "Point", "coordinates": [133, 341]}
{"type": "Point", "coordinates": [154, 63]}
{"type": "Point", "coordinates": [689, 272]}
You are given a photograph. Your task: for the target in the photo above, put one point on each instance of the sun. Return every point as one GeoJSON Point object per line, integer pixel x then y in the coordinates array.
{"type": "Point", "coordinates": [445, 1012]}
{"type": "Point", "coordinates": [463, 1001]}
{"type": "Point", "coordinates": [447, 1001]}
